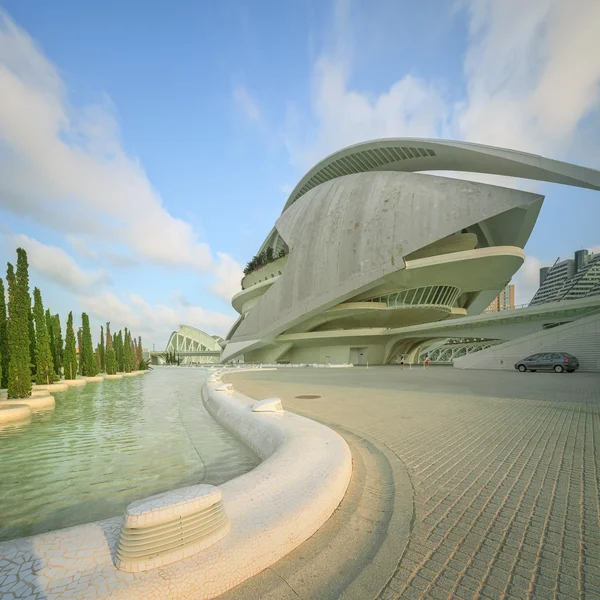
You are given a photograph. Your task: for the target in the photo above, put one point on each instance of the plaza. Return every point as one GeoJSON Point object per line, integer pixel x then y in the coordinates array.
{"type": "Point", "coordinates": [472, 484]}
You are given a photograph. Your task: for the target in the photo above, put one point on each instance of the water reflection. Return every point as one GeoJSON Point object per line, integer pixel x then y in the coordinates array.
{"type": "Point", "coordinates": [108, 444]}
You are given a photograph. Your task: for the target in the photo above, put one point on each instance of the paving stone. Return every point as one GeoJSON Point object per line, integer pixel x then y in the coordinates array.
{"type": "Point", "coordinates": [504, 470]}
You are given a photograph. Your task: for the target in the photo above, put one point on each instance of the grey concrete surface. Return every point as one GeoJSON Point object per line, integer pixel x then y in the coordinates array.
{"type": "Point", "coordinates": [504, 470]}
{"type": "Point", "coordinates": [353, 231]}
{"type": "Point", "coordinates": [371, 526]}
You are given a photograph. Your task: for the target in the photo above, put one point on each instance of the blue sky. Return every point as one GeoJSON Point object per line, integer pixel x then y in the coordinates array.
{"type": "Point", "coordinates": [146, 148]}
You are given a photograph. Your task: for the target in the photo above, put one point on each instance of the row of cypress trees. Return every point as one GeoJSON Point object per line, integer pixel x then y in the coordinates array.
{"type": "Point", "coordinates": [173, 358]}
{"type": "Point", "coordinates": [31, 342]}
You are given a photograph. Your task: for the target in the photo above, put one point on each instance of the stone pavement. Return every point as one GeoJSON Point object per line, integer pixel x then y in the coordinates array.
{"type": "Point", "coordinates": [505, 471]}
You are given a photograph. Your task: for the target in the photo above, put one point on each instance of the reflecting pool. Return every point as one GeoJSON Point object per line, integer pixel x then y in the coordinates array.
{"type": "Point", "coordinates": [110, 443]}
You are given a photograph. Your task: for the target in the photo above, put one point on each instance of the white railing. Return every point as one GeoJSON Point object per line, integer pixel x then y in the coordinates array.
{"type": "Point", "coordinates": [431, 295]}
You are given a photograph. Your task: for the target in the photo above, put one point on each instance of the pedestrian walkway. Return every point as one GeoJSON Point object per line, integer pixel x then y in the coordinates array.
{"type": "Point", "coordinates": [504, 469]}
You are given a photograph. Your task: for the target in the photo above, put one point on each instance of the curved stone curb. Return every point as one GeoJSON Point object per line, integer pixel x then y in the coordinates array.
{"type": "Point", "coordinates": [115, 376]}
{"type": "Point", "coordinates": [14, 411]}
{"type": "Point", "coordinates": [52, 387]}
{"type": "Point", "coordinates": [33, 402]}
{"type": "Point", "coordinates": [40, 394]}
{"type": "Point", "coordinates": [75, 382]}
{"type": "Point", "coordinates": [272, 509]}
{"type": "Point", "coordinates": [92, 379]}
{"type": "Point", "coordinates": [130, 374]}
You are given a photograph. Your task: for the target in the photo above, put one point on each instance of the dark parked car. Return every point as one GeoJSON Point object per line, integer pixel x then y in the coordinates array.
{"type": "Point", "coordinates": [546, 361]}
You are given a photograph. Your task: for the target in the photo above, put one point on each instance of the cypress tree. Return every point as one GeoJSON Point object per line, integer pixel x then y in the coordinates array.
{"type": "Point", "coordinates": [119, 350]}
{"type": "Point", "coordinates": [132, 356]}
{"type": "Point", "coordinates": [58, 343]}
{"type": "Point", "coordinates": [19, 307]}
{"type": "Point", "coordinates": [134, 364]}
{"type": "Point", "coordinates": [50, 329]}
{"type": "Point", "coordinates": [4, 356]}
{"type": "Point", "coordinates": [139, 350]}
{"type": "Point", "coordinates": [44, 368]}
{"type": "Point", "coordinates": [101, 350]}
{"type": "Point", "coordinates": [127, 362]}
{"type": "Point", "coordinates": [110, 358]}
{"type": "Point", "coordinates": [32, 354]}
{"type": "Point", "coordinates": [70, 354]}
{"type": "Point", "coordinates": [136, 354]}
{"type": "Point", "coordinates": [79, 353]}
{"type": "Point", "coordinates": [89, 368]}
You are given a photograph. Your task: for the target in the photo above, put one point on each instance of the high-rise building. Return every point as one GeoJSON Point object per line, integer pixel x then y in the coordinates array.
{"type": "Point", "coordinates": [569, 279]}
{"type": "Point", "coordinates": [505, 300]}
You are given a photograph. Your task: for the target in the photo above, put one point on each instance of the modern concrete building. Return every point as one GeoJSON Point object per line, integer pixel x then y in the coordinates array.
{"type": "Point", "coordinates": [374, 254]}
{"type": "Point", "coordinates": [191, 346]}
{"type": "Point", "coordinates": [505, 300]}
{"type": "Point", "coordinates": [569, 279]}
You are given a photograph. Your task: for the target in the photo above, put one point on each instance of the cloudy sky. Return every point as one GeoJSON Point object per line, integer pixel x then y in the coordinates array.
{"type": "Point", "coordinates": [146, 148]}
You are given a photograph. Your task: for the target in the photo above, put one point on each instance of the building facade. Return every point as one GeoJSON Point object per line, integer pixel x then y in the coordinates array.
{"type": "Point", "coordinates": [190, 346]}
{"type": "Point", "coordinates": [368, 248]}
{"type": "Point", "coordinates": [570, 279]}
{"type": "Point", "coordinates": [505, 300]}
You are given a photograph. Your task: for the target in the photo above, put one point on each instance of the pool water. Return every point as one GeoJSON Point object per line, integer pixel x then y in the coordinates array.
{"type": "Point", "coordinates": [110, 443]}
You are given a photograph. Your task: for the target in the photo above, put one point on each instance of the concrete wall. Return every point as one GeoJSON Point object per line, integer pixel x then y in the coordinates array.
{"type": "Point", "coordinates": [580, 338]}
{"type": "Point", "coordinates": [347, 234]}
{"type": "Point", "coordinates": [264, 273]}
{"type": "Point", "coordinates": [335, 355]}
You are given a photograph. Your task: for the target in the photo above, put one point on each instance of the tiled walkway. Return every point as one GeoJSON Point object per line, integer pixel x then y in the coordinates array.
{"type": "Point", "coordinates": [505, 469]}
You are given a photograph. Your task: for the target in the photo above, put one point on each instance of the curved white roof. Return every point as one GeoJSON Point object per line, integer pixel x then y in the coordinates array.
{"type": "Point", "coordinates": [192, 339]}
{"type": "Point", "coordinates": [418, 154]}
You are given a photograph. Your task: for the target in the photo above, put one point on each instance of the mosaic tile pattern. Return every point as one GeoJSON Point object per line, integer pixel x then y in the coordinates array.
{"type": "Point", "coordinates": [171, 526]}
{"type": "Point", "coordinates": [163, 507]}
{"type": "Point", "coordinates": [272, 509]}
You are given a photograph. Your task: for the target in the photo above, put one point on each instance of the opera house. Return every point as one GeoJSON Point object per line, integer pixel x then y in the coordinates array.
{"type": "Point", "coordinates": [368, 247]}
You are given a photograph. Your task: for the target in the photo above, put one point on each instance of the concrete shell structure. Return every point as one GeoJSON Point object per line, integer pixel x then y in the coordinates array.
{"type": "Point", "coordinates": [371, 247]}
{"type": "Point", "coordinates": [192, 345]}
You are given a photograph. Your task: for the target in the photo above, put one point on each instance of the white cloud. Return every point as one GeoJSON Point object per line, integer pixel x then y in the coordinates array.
{"type": "Point", "coordinates": [66, 168]}
{"type": "Point", "coordinates": [344, 116]}
{"type": "Point", "coordinates": [533, 78]}
{"type": "Point", "coordinates": [92, 292]}
{"type": "Point", "coordinates": [82, 249]}
{"type": "Point", "coordinates": [246, 103]}
{"type": "Point", "coordinates": [56, 265]}
{"type": "Point", "coordinates": [154, 322]}
{"type": "Point", "coordinates": [529, 83]}
{"type": "Point", "coordinates": [228, 275]}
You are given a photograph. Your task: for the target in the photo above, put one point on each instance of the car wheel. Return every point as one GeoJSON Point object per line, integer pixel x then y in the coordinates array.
{"type": "Point", "coordinates": [522, 368]}
{"type": "Point", "coordinates": [558, 368]}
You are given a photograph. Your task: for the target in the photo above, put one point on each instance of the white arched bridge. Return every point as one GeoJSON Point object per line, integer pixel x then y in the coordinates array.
{"type": "Point", "coordinates": [190, 346]}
